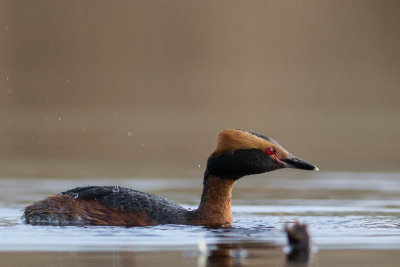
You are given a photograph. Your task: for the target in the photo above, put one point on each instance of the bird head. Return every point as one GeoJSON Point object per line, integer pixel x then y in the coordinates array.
{"type": "Point", "coordinates": [241, 153]}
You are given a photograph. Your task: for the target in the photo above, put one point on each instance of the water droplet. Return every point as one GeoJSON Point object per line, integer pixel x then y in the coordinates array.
{"type": "Point", "coordinates": [199, 165]}
{"type": "Point", "coordinates": [115, 189]}
{"type": "Point", "coordinates": [7, 78]}
{"type": "Point", "coordinates": [129, 133]}
{"type": "Point", "coordinates": [74, 195]}
{"type": "Point", "coordinates": [59, 118]}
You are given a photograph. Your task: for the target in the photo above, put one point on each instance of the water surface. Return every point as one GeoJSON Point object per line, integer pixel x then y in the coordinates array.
{"type": "Point", "coordinates": [344, 211]}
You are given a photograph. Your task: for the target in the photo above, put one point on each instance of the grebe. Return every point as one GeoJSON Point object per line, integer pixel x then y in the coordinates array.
{"type": "Point", "coordinates": [238, 153]}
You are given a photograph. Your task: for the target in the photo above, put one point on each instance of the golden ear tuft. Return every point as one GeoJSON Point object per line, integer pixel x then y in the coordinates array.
{"type": "Point", "coordinates": [230, 140]}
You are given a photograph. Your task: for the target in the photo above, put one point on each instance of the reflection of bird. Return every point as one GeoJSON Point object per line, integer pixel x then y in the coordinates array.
{"type": "Point", "coordinates": [238, 153]}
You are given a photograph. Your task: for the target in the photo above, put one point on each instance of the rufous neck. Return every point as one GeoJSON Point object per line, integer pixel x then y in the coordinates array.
{"type": "Point", "coordinates": [215, 206]}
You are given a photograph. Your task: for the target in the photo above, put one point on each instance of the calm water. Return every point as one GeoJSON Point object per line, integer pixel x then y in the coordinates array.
{"type": "Point", "coordinates": [344, 211]}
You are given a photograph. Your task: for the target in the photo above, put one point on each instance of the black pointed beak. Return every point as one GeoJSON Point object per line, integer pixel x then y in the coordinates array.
{"type": "Point", "coordinates": [299, 164]}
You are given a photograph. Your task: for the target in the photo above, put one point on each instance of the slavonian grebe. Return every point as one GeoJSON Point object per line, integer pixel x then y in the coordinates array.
{"type": "Point", "coordinates": [238, 153]}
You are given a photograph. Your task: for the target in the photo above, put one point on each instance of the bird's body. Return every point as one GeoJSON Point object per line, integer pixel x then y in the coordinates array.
{"type": "Point", "coordinates": [119, 206]}
{"type": "Point", "coordinates": [105, 205]}
{"type": "Point", "coordinates": [238, 153]}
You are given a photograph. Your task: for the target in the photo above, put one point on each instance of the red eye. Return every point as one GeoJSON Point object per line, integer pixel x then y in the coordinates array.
{"type": "Point", "coordinates": [270, 151]}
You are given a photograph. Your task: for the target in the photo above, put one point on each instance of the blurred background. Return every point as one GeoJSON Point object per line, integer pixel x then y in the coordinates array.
{"type": "Point", "coordinates": [141, 88]}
